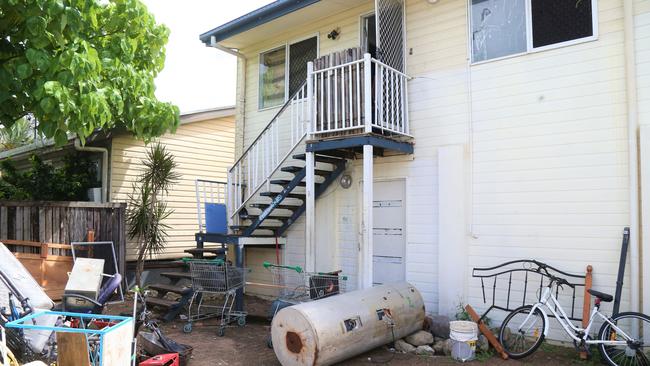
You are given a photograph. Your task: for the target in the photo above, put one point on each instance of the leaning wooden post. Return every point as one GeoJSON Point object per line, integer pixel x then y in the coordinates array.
{"type": "Point", "coordinates": [586, 307]}
{"type": "Point", "coordinates": [486, 332]}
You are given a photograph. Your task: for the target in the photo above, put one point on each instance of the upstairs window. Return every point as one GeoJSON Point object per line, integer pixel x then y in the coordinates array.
{"type": "Point", "coordinates": [501, 28]}
{"type": "Point", "coordinates": [283, 70]}
{"type": "Point", "coordinates": [272, 83]}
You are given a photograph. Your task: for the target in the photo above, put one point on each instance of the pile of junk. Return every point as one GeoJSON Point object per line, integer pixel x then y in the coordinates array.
{"type": "Point", "coordinates": [36, 331]}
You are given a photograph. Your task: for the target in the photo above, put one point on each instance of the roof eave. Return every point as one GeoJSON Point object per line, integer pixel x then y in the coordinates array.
{"type": "Point", "coordinates": [254, 19]}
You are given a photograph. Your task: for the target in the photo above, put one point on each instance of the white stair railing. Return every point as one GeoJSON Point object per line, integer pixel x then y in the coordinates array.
{"type": "Point", "coordinates": [269, 150]}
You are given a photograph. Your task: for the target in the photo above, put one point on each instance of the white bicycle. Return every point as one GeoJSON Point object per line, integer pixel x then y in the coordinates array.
{"type": "Point", "coordinates": [620, 339]}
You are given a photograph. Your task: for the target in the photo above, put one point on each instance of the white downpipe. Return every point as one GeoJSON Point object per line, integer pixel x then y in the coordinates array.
{"type": "Point", "coordinates": [633, 124]}
{"type": "Point", "coordinates": [241, 104]}
{"type": "Point", "coordinates": [104, 151]}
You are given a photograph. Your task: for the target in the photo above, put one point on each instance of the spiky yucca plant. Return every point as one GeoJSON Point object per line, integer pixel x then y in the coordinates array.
{"type": "Point", "coordinates": [147, 209]}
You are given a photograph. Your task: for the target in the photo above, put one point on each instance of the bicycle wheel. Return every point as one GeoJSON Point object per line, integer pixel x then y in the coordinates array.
{"type": "Point", "coordinates": [524, 333]}
{"type": "Point", "coordinates": [637, 350]}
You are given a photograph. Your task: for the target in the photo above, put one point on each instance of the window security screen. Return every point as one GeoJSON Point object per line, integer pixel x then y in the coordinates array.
{"type": "Point", "coordinates": [299, 54]}
{"type": "Point", "coordinates": [559, 21]}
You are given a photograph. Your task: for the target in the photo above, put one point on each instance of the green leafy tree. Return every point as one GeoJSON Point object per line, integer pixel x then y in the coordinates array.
{"type": "Point", "coordinates": [147, 209]}
{"type": "Point", "coordinates": [82, 65]}
{"type": "Point", "coordinates": [19, 134]}
{"type": "Point", "coordinates": [45, 182]}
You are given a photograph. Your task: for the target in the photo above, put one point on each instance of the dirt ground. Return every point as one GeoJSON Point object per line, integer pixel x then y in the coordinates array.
{"type": "Point", "coordinates": [247, 346]}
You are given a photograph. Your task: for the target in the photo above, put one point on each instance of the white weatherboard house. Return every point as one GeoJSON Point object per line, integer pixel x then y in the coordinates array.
{"type": "Point", "coordinates": [431, 137]}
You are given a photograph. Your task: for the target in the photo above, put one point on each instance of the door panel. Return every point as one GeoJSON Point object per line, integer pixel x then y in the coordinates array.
{"type": "Point", "coordinates": [389, 239]}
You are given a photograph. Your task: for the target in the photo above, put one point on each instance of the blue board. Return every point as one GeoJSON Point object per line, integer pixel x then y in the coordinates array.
{"type": "Point", "coordinates": [216, 221]}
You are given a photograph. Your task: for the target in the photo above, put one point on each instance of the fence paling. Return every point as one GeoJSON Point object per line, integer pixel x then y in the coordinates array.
{"type": "Point", "coordinates": [64, 222]}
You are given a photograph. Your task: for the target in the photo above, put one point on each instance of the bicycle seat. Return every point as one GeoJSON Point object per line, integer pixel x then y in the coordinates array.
{"type": "Point", "coordinates": [602, 296]}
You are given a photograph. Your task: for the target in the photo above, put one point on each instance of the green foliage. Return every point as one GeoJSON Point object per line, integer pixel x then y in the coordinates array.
{"type": "Point", "coordinates": [82, 65]}
{"type": "Point", "coordinates": [45, 182]}
{"type": "Point", "coordinates": [462, 314]}
{"type": "Point", "coordinates": [147, 209]}
{"type": "Point", "coordinates": [19, 134]}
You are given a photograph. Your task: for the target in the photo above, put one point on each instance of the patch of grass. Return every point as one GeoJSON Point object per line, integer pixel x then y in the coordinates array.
{"type": "Point", "coordinates": [483, 356]}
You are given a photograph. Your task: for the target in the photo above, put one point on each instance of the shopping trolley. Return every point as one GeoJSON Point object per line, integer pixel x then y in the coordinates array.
{"type": "Point", "coordinates": [213, 280]}
{"type": "Point", "coordinates": [294, 286]}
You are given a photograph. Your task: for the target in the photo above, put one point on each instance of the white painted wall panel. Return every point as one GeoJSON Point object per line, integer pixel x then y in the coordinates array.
{"type": "Point", "coordinates": [547, 134]}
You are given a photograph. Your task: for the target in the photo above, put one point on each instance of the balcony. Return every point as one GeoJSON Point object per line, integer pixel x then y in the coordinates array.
{"type": "Point", "coordinates": [356, 95]}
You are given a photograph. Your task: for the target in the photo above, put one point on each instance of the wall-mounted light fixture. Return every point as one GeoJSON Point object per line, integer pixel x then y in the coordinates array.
{"type": "Point", "coordinates": [346, 181]}
{"type": "Point", "coordinates": [334, 34]}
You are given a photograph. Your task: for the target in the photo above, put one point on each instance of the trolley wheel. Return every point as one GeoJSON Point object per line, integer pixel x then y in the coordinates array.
{"type": "Point", "coordinates": [241, 321]}
{"type": "Point", "coordinates": [269, 342]}
{"type": "Point", "coordinates": [221, 331]}
{"type": "Point", "coordinates": [187, 328]}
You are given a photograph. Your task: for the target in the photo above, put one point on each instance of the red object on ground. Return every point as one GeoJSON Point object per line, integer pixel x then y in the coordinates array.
{"type": "Point", "coordinates": [170, 359]}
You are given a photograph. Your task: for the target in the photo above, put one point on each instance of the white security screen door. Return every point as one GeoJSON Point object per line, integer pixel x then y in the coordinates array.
{"type": "Point", "coordinates": [389, 239]}
{"type": "Point", "coordinates": [390, 32]}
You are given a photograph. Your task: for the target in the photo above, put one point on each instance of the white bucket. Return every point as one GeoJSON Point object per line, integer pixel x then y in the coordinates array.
{"type": "Point", "coordinates": [463, 335]}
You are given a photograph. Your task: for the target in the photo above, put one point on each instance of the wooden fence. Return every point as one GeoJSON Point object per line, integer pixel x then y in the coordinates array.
{"type": "Point", "coordinates": [64, 223]}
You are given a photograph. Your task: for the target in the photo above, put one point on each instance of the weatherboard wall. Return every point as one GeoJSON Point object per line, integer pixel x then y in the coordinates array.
{"type": "Point", "coordinates": [203, 149]}
{"type": "Point", "coordinates": [545, 136]}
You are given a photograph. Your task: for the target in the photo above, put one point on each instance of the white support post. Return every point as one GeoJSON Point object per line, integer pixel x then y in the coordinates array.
{"type": "Point", "coordinates": [310, 100]}
{"type": "Point", "coordinates": [366, 229]}
{"type": "Point", "coordinates": [367, 94]}
{"type": "Point", "coordinates": [310, 213]}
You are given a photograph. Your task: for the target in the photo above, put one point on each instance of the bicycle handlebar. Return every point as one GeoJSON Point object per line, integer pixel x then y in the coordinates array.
{"type": "Point", "coordinates": [554, 279]}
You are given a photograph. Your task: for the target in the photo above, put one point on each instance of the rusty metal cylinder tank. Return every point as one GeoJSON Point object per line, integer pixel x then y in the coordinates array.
{"type": "Point", "coordinates": [336, 328]}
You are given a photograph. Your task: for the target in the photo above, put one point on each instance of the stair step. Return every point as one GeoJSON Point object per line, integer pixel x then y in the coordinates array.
{"type": "Point", "coordinates": [263, 206]}
{"type": "Point", "coordinates": [163, 303]}
{"type": "Point", "coordinates": [261, 227]}
{"type": "Point", "coordinates": [177, 275]}
{"type": "Point", "coordinates": [201, 251]}
{"type": "Point", "coordinates": [320, 158]}
{"type": "Point", "coordinates": [269, 217]}
{"type": "Point", "coordinates": [161, 288]}
{"type": "Point", "coordinates": [300, 196]}
{"type": "Point", "coordinates": [296, 169]}
{"type": "Point", "coordinates": [285, 182]}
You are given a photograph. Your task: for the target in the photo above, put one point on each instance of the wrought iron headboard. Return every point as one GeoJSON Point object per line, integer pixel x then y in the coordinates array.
{"type": "Point", "coordinates": [502, 273]}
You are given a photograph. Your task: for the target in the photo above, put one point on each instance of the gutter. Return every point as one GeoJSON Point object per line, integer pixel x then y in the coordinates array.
{"type": "Point", "coordinates": [254, 19]}
{"type": "Point", "coordinates": [104, 151]}
{"type": "Point", "coordinates": [632, 128]}
{"type": "Point", "coordinates": [241, 102]}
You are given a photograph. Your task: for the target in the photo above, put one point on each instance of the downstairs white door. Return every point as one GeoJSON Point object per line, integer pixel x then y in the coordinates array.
{"type": "Point", "coordinates": [389, 231]}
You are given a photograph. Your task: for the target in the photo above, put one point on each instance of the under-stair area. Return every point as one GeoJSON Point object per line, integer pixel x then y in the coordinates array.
{"type": "Point", "coordinates": [178, 284]}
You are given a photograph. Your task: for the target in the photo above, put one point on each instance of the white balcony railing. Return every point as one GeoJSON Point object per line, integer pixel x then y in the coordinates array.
{"type": "Point", "coordinates": [361, 96]}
